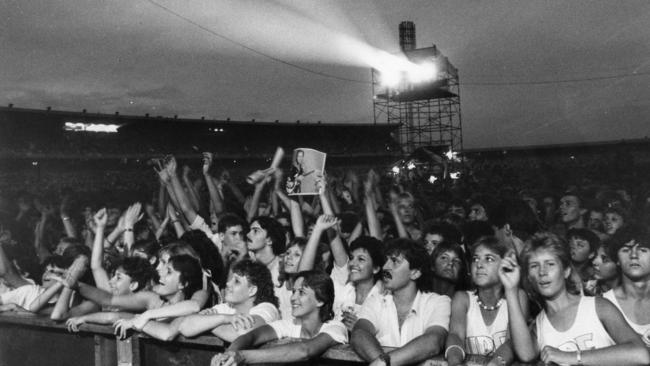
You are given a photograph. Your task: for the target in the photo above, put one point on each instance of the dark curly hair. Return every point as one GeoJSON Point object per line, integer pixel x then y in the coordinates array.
{"type": "Point", "coordinates": [375, 248]}
{"type": "Point", "coordinates": [139, 269]}
{"type": "Point", "coordinates": [274, 231]}
{"type": "Point", "coordinates": [323, 288]}
{"type": "Point", "coordinates": [417, 257]}
{"type": "Point", "coordinates": [257, 275]}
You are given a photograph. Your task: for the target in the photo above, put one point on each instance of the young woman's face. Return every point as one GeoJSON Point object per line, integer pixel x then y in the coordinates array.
{"type": "Point", "coordinates": [613, 222]}
{"type": "Point", "coordinates": [292, 259]}
{"type": "Point", "coordinates": [120, 283]}
{"type": "Point", "coordinates": [303, 300]}
{"type": "Point", "coordinates": [485, 267]}
{"type": "Point", "coordinates": [635, 260]}
{"type": "Point", "coordinates": [546, 273]}
{"type": "Point", "coordinates": [237, 289]}
{"type": "Point", "coordinates": [51, 271]}
{"type": "Point", "coordinates": [431, 241]}
{"type": "Point", "coordinates": [169, 282]}
{"type": "Point", "coordinates": [580, 250]}
{"type": "Point", "coordinates": [360, 266]}
{"type": "Point", "coordinates": [447, 265]}
{"type": "Point", "coordinates": [163, 262]}
{"type": "Point", "coordinates": [604, 268]}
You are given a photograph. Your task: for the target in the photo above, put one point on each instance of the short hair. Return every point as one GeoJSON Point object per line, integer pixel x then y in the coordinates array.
{"type": "Point", "coordinates": [374, 247]}
{"type": "Point", "coordinates": [585, 234]}
{"type": "Point", "coordinates": [149, 247]}
{"type": "Point", "coordinates": [448, 231]}
{"type": "Point", "coordinates": [491, 243]}
{"type": "Point", "coordinates": [191, 275]}
{"type": "Point", "coordinates": [208, 254]}
{"type": "Point", "coordinates": [474, 230]}
{"type": "Point", "coordinates": [229, 220]}
{"type": "Point", "coordinates": [139, 269]}
{"type": "Point", "coordinates": [639, 233]}
{"type": "Point", "coordinates": [323, 287]}
{"type": "Point", "coordinates": [274, 231]}
{"type": "Point", "coordinates": [259, 276]}
{"type": "Point", "coordinates": [444, 247]}
{"type": "Point", "coordinates": [415, 253]}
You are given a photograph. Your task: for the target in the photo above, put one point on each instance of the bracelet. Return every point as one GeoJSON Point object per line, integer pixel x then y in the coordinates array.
{"type": "Point", "coordinates": [578, 357]}
{"type": "Point", "coordinates": [455, 346]}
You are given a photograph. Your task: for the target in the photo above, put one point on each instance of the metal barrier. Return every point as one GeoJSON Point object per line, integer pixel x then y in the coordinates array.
{"type": "Point", "coordinates": [31, 340]}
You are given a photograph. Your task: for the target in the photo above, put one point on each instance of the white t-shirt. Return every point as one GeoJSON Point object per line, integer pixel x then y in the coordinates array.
{"type": "Point", "coordinates": [586, 333]}
{"type": "Point", "coordinates": [642, 329]}
{"type": "Point", "coordinates": [200, 224]}
{"type": "Point", "coordinates": [290, 328]}
{"type": "Point", "coordinates": [345, 294]}
{"type": "Point", "coordinates": [284, 300]}
{"type": "Point", "coordinates": [428, 309]}
{"type": "Point", "coordinates": [23, 296]}
{"type": "Point", "coordinates": [265, 310]}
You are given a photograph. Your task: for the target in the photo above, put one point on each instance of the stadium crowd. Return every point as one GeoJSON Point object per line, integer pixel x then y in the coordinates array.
{"type": "Point", "coordinates": [505, 262]}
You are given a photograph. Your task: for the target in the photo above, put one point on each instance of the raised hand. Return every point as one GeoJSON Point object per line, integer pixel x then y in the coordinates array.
{"type": "Point", "coordinates": [100, 218]}
{"type": "Point", "coordinates": [132, 215]}
{"type": "Point", "coordinates": [207, 162]}
{"type": "Point", "coordinates": [509, 272]}
{"type": "Point", "coordinates": [325, 222]}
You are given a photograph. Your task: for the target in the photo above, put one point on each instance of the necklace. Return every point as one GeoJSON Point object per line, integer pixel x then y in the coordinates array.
{"type": "Point", "coordinates": [487, 307]}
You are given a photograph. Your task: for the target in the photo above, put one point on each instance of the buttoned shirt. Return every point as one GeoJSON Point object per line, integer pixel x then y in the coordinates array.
{"type": "Point", "coordinates": [428, 310]}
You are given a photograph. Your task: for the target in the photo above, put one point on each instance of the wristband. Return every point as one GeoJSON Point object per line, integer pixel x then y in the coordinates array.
{"type": "Point", "coordinates": [452, 347]}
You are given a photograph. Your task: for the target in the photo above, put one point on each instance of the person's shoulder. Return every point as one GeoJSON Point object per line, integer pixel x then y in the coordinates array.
{"type": "Point", "coordinates": [433, 297]}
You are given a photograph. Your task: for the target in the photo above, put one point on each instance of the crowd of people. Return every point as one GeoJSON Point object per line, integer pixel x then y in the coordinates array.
{"type": "Point", "coordinates": [401, 269]}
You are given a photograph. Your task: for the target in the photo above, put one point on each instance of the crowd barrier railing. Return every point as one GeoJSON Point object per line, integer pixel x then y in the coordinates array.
{"type": "Point", "coordinates": [29, 340]}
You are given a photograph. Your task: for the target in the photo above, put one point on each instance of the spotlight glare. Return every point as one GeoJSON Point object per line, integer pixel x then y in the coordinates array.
{"type": "Point", "coordinates": [395, 169]}
{"type": "Point", "coordinates": [411, 165]}
{"type": "Point", "coordinates": [432, 179]}
{"type": "Point", "coordinates": [454, 175]}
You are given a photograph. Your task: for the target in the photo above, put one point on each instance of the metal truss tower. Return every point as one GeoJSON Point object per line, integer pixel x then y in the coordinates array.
{"type": "Point", "coordinates": [427, 114]}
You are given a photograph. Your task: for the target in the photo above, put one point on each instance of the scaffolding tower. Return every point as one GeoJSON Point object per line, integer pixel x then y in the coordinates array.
{"type": "Point", "coordinates": [428, 114]}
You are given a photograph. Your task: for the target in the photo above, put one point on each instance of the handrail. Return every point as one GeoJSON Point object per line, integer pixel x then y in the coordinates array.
{"type": "Point", "coordinates": [129, 350]}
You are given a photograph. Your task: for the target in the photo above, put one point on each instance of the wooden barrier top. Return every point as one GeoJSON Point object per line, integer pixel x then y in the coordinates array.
{"type": "Point", "coordinates": [343, 353]}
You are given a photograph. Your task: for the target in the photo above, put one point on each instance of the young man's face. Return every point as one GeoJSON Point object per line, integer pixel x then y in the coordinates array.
{"type": "Point", "coordinates": [635, 260]}
{"type": "Point", "coordinates": [477, 213]}
{"type": "Point", "coordinates": [257, 237]}
{"type": "Point", "coordinates": [397, 272]}
{"type": "Point", "coordinates": [595, 221]}
{"type": "Point", "coordinates": [570, 210]}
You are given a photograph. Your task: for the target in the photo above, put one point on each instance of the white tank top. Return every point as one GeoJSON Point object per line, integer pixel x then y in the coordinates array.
{"type": "Point", "coordinates": [643, 330]}
{"type": "Point", "coordinates": [587, 332]}
{"type": "Point", "coordinates": [480, 338]}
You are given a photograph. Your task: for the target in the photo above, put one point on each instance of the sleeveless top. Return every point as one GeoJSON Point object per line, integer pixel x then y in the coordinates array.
{"type": "Point", "coordinates": [480, 338]}
{"type": "Point", "coordinates": [586, 333]}
{"type": "Point", "coordinates": [642, 329]}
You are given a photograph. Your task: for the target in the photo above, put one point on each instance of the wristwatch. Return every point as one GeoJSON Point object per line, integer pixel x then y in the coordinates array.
{"type": "Point", "coordinates": [385, 357]}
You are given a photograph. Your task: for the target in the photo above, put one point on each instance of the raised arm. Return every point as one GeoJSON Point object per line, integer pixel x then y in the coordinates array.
{"type": "Point", "coordinates": [297, 222]}
{"type": "Point", "coordinates": [182, 199]}
{"type": "Point", "coordinates": [97, 256]}
{"type": "Point", "coordinates": [523, 341]}
{"type": "Point", "coordinates": [255, 201]}
{"type": "Point", "coordinates": [70, 230]}
{"type": "Point", "coordinates": [131, 217]}
{"type": "Point", "coordinates": [192, 193]}
{"type": "Point", "coordinates": [215, 196]}
{"type": "Point", "coordinates": [374, 226]}
{"type": "Point", "coordinates": [308, 258]}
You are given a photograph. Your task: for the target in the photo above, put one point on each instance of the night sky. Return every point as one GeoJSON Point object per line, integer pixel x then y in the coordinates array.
{"type": "Point", "coordinates": [557, 71]}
